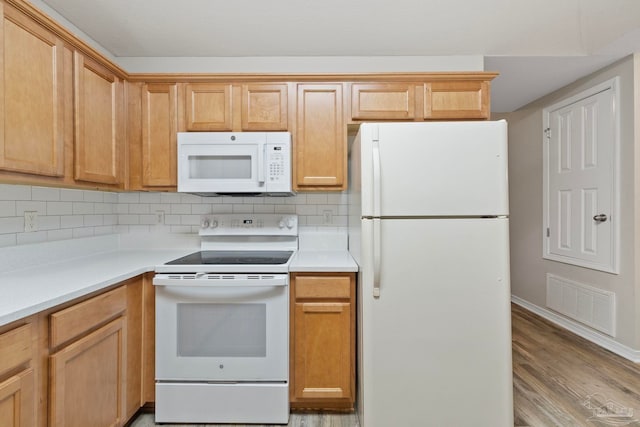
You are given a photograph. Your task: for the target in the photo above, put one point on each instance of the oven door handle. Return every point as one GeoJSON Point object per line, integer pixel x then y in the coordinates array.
{"type": "Point", "coordinates": [213, 281]}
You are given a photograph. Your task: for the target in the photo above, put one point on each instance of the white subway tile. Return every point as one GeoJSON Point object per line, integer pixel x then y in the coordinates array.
{"type": "Point", "coordinates": [147, 219]}
{"type": "Point", "coordinates": [35, 237]}
{"type": "Point", "coordinates": [83, 208]}
{"type": "Point", "coordinates": [302, 221]}
{"type": "Point", "coordinates": [59, 208]}
{"type": "Point", "coordinates": [306, 209]}
{"type": "Point", "coordinates": [253, 200]}
{"type": "Point", "coordinates": [82, 232]}
{"type": "Point", "coordinates": [149, 197]}
{"type": "Point", "coordinates": [104, 208]}
{"type": "Point", "coordinates": [110, 197]}
{"type": "Point", "coordinates": [71, 221]}
{"type": "Point", "coordinates": [169, 198]}
{"type": "Point", "coordinates": [341, 220]}
{"type": "Point", "coordinates": [122, 229]}
{"type": "Point", "coordinates": [128, 197]}
{"type": "Point", "coordinates": [317, 199]}
{"type": "Point", "coordinates": [182, 229]}
{"type": "Point", "coordinates": [165, 207]}
{"type": "Point", "coordinates": [15, 192]}
{"type": "Point", "coordinates": [111, 219]}
{"type": "Point", "coordinates": [263, 208]}
{"type": "Point", "coordinates": [93, 196]}
{"type": "Point", "coordinates": [61, 234]}
{"type": "Point", "coordinates": [343, 209]}
{"type": "Point", "coordinates": [289, 209]}
{"type": "Point", "coordinates": [122, 208]}
{"type": "Point", "coordinates": [45, 193]}
{"type": "Point", "coordinates": [93, 220]}
{"type": "Point", "coordinates": [139, 229]}
{"type": "Point", "coordinates": [242, 208]}
{"type": "Point", "coordinates": [7, 208]}
{"type": "Point", "coordinates": [298, 199]}
{"type": "Point", "coordinates": [68, 195]}
{"type": "Point", "coordinates": [172, 219]}
{"type": "Point", "coordinates": [332, 208]}
{"type": "Point", "coordinates": [337, 198]}
{"type": "Point", "coordinates": [201, 209]}
{"type": "Point", "coordinates": [49, 222]}
{"type": "Point", "coordinates": [23, 206]}
{"type": "Point", "coordinates": [11, 225]}
{"type": "Point", "coordinates": [178, 209]}
{"type": "Point", "coordinates": [314, 220]}
{"type": "Point", "coordinates": [140, 208]}
{"type": "Point", "coordinates": [129, 219]}
{"type": "Point", "coordinates": [222, 209]}
{"type": "Point", "coordinates": [226, 200]}
{"type": "Point", "coordinates": [190, 219]}
{"type": "Point", "coordinates": [190, 198]}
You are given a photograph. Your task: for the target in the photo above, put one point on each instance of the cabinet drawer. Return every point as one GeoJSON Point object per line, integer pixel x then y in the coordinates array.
{"type": "Point", "coordinates": [322, 287]}
{"type": "Point", "coordinates": [15, 348]}
{"type": "Point", "coordinates": [382, 101]}
{"type": "Point", "coordinates": [72, 322]}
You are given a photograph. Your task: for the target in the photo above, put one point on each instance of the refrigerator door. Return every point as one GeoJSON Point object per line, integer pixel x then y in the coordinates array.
{"type": "Point", "coordinates": [434, 169]}
{"type": "Point", "coordinates": [435, 346]}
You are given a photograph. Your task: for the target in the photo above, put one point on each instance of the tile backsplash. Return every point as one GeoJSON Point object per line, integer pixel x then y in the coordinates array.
{"type": "Point", "coordinates": [69, 213]}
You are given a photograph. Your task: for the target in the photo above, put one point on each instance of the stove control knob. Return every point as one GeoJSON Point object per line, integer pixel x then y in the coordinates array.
{"type": "Point", "coordinates": [281, 224]}
{"type": "Point", "coordinates": [290, 223]}
{"type": "Point", "coordinates": [214, 223]}
{"type": "Point", "coordinates": [204, 223]}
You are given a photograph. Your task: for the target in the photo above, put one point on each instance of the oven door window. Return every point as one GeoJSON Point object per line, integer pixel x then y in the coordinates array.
{"type": "Point", "coordinates": [236, 330]}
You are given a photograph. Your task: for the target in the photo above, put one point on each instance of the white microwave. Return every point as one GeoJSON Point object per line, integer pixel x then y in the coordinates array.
{"type": "Point", "coordinates": [235, 163]}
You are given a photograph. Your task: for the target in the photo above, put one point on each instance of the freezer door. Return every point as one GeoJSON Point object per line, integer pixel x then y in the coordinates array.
{"type": "Point", "coordinates": [434, 169]}
{"type": "Point", "coordinates": [435, 345]}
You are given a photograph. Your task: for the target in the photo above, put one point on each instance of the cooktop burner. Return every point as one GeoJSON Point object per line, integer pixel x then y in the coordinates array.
{"type": "Point", "coordinates": [233, 258]}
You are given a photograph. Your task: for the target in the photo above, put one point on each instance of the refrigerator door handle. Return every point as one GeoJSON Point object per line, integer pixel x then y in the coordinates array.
{"type": "Point", "coordinates": [376, 178]}
{"type": "Point", "coordinates": [377, 247]}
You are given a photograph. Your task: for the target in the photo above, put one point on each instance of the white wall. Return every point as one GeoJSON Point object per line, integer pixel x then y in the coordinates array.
{"type": "Point", "coordinates": [528, 269]}
{"type": "Point", "coordinates": [69, 214]}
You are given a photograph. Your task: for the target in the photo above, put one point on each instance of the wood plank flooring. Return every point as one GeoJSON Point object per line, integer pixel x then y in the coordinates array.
{"type": "Point", "coordinates": [559, 380]}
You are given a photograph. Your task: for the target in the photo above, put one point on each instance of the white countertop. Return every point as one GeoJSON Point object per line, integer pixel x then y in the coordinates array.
{"type": "Point", "coordinates": [38, 277]}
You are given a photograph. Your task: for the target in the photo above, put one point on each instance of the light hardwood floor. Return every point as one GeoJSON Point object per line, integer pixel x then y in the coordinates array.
{"type": "Point", "coordinates": [559, 380]}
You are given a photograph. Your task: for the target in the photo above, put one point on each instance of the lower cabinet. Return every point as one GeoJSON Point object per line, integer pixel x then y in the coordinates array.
{"type": "Point", "coordinates": [87, 387]}
{"type": "Point", "coordinates": [18, 396]}
{"type": "Point", "coordinates": [322, 359]}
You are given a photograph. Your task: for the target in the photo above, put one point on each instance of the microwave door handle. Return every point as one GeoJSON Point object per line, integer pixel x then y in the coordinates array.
{"type": "Point", "coordinates": [261, 156]}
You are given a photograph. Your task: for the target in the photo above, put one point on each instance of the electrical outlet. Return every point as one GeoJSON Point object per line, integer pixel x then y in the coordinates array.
{"type": "Point", "coordinates": [30, 221]}
{"type": "Point", "coordinates": [159, 217]}
{"type": "Point", "coordinates": [327, 217]}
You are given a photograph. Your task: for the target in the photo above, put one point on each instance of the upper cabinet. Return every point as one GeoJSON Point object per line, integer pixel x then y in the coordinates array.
{"type": "Point", "coordinates": [320, 142]}
{"type": "Point", "coordinates": [456, 100]}
{"type": "Point", "coordinates": [236, 107]}
{"type": "Point", "coordinates": [208, 107]}
{"type": "Point", "coordinates": [383, 101]}
{"type": "Point", "coordinates": [264, 107]}
{"type": "Point", "coordinates": [31, 91]}
{"type": "Point", "coordinates": [448, 96]}
{"type": "Point", "coordinates": [99, 122]}
{"type": "Point", "coordinates": [159, 134]}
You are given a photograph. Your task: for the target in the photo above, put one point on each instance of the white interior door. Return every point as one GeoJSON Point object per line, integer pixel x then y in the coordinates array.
{"type": "Point", "coordinates": [581, 186]}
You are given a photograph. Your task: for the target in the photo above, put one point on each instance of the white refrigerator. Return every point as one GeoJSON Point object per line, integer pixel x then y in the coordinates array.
{"type": "Point", "coordinates": [429, 228]}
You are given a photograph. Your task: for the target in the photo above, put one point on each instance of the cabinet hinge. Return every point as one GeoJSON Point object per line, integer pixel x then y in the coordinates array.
{"type": "Point", "coordinates": [548, 232]}
{"type": "Point", "coordinates": [547, 133]}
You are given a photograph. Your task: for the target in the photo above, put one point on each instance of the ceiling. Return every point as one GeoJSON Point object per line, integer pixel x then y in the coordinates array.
{"type": "Point", "coordinates": [536, 46]}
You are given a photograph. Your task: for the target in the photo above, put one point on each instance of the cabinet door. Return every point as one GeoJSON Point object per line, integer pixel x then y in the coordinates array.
{"type": "Point", "coordinates": [208, 107]}
{"type": "Point", "coordinates": [264, 107]}
{"type": "Point", "coordinates": [98, 122]}
{"type": "Point", "coordinates": [456, 100]}
{"type": "Point", "coordinates": [320, 144]}
{"type": "Point", "coordinates": [87, 380]}
{"type": "Point", "coordinates": [394, 101]}
{"type": "Point", "coordinates": [31, 97]}
{"type": "Point", "coordinates": [322, 350]}
{"type": "Point", "coordinates": [159, 135]}
{"type": "Point", "coordinates": [17, 408]}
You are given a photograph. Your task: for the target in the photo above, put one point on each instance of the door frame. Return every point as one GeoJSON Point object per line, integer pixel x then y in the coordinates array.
{"type": "Point", "coordinates": [613, 266]}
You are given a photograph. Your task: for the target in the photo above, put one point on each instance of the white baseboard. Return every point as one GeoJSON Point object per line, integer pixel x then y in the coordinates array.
{"type": "Point", "coordinates": [589, 334]}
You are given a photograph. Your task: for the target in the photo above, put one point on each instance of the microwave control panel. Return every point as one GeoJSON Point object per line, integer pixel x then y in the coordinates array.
{"type": "Point", "coordinates": [278, 164]}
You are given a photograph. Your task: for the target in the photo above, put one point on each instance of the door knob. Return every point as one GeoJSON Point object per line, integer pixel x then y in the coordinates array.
{"type": "Point", "coordinates": [600, 218]}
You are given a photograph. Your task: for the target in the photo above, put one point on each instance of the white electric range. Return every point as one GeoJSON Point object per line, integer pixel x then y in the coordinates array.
{"type": "Point", "coordinates": [222, 323]}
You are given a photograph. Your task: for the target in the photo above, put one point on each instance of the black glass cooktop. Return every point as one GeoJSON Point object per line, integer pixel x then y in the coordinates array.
{"type": "Point", "coordinates": [233, 257]}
